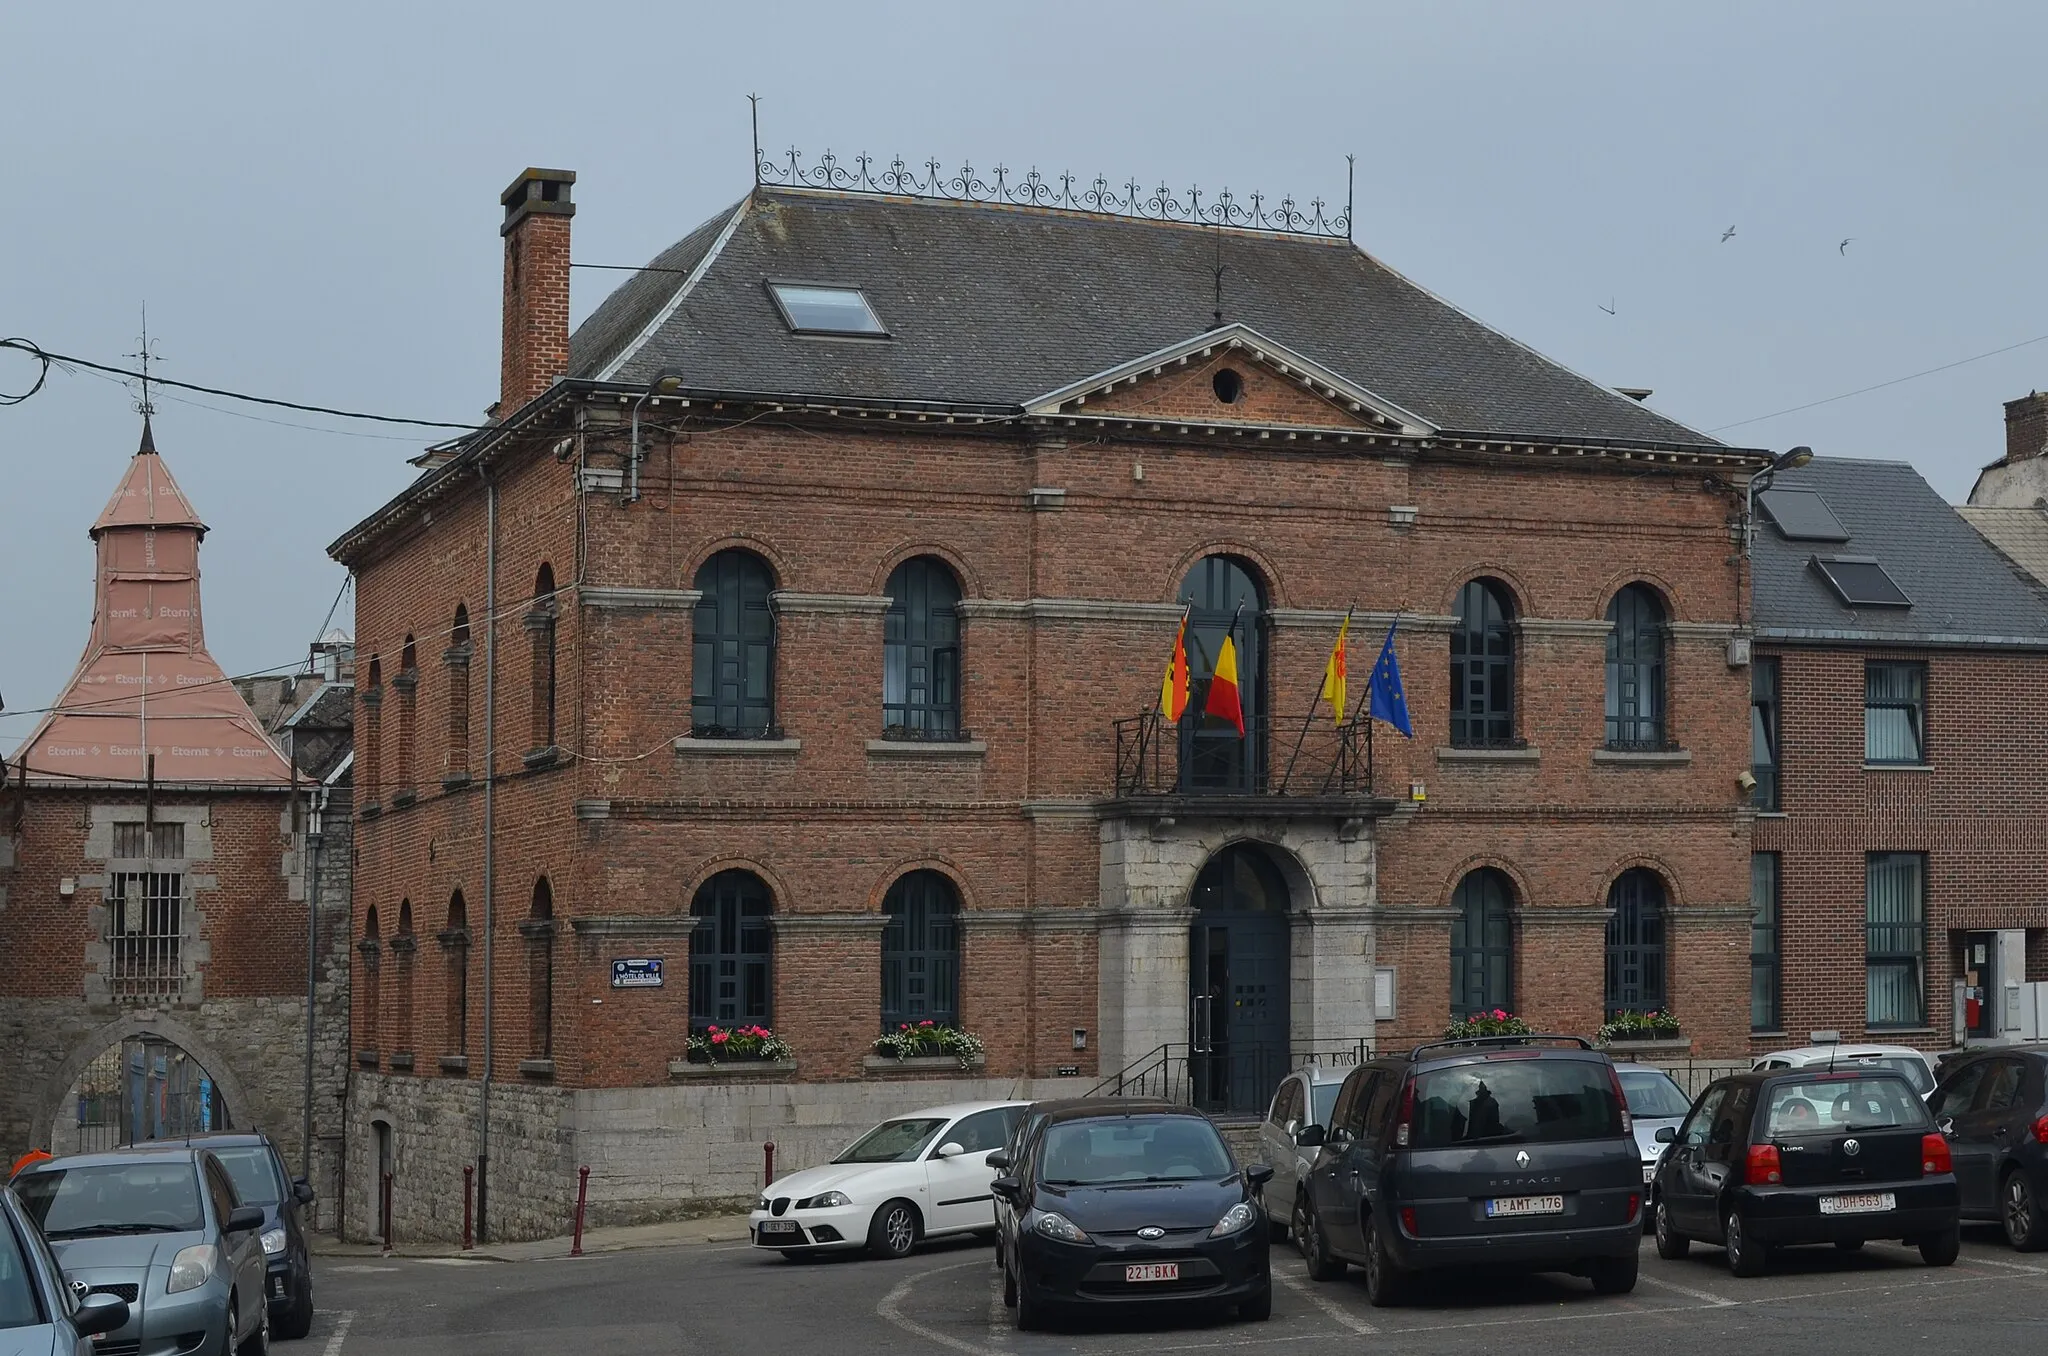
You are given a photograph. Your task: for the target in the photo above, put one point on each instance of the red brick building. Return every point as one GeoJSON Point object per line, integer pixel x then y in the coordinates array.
{"type": "Point", "coordinates": [155, 869]}
{"type": "Point", "coordinates": [1902, 824]}
{"type": "Point", "coordinates": [796, 623]}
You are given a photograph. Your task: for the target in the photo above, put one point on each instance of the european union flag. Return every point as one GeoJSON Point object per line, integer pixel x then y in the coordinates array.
{"type": "Point", "coordinates": [1385, 700]}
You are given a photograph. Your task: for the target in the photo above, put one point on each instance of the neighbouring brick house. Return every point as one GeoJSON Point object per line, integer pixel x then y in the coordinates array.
{"type": "Point", "coordinates": [796, 624]}
{"type": "Point", "coordinates": [1902, 821]}
{"type": "Point", "coordinates": [154, 875]}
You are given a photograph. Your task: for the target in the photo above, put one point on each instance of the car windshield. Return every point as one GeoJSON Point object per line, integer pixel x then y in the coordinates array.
{"type": "Point", "coordinates": [1831, 1104]}
{"type": "Point", "coordinates": [1514, 1102]}
{"type": "Point", "coordinates": [1322, 1100]}
{"type": "Point", "coordinates": [157, 1196]}
{"type": "Point", "coordinates": [1653, 1095]}
{"type": "Point", "coordinates": [1911, 1068]}
{"type": "Point", "coordinates": [893, 1141]}
{"type": "Point", "coordinates": [1111, 1150]}
{"type": "Point", "coordinates": [255, 1174]}
{"type": "Point", "coordinates": [19, 1307]}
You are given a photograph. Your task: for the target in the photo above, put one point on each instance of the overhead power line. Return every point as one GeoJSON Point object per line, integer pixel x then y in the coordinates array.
{"type": "Point", "coordinates": [1866, 390]}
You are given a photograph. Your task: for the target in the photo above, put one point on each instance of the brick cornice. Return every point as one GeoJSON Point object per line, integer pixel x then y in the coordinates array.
{"type": "Point", "coordinates": [788, 603]}
{"type": "Point", "coordinates": [1030, 920]}
{"type": "Point", "coordinates": [827, 924]}
{"type": "Point", "coordinates": [1542, 917]}
{"type": "Point", "coordinates": [1563, 628]}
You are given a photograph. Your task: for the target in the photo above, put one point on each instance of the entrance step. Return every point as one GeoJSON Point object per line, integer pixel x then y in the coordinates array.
{"type": "Point", "coordinates": [1241, 1133]}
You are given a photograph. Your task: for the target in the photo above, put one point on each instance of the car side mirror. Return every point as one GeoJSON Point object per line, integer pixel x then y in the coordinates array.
{"type": "Point", "coordinates": [999, 1159]}
{"type": "Point", "coordinates": [1665, 1134]}
{"type": "Point", "coordinates": [302, 1191]}
{"type": "Point", "coordinates": [1291, 1129]}
{"type": "Point", "coordinates": [952, 1148]}
{"type": "Point", "coordinates": [1258, 1174]}
{"type": "Point", "coordinates": [1006, 1187]}
{"type": "Point", "coordinates": [1311, 1136]}
{"type": "Point", "coordinates": [100, 1313]}
{"type": "Point", "coordinates": [243, 1218]}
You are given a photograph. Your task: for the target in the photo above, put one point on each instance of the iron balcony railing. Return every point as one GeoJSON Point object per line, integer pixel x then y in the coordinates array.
{"type": "Point", "coordinates": [1276, 756]}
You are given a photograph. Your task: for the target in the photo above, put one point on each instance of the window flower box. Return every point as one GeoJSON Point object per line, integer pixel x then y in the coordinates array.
{"type": "Point", "coordinates": [1634, 1027]}
{"type": "Point", "coordinates": [746, 1068]}
{"type": "Point", "coordinates": [928, 1041]}
{"type": "Point", "coordinates": [888, 1064]}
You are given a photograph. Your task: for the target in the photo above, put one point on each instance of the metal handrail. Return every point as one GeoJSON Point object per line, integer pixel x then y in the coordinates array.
{"type": "Point", "coordinates": [1282, 755]}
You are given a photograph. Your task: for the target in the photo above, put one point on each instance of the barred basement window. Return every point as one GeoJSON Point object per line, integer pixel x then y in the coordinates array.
{"type": "Point", "coordinates": [1483, 668]}
{"type": "Point", "coordinates": [921, 952]}
{"type": "Point", "coordinates": [1482, 944]}
{"type": "Point", "coordinates": [730, 950]}
{"type": "Point", "coordinates": [921, 652]}
{"type": "Point", "coordinates": [1765, 929]}
{"type": "Point", "coordinates": [1895, 938]}
{"type": "Point", "coordinates": [145, 930]}
{"type": "Point", "coordinates": [1635, 670]}
{"type": "Point", "coordinates": [732, 681]}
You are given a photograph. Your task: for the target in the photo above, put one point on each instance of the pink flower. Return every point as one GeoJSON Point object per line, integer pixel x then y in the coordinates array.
{"type": "Point", "coordinates": [926, 1022]}
{"type": "Point", "coordinates": [905, 1026]}
{"type": "Point", "coordinates": [712, 1027]}
{"type": "Point", "coordinates": [718, 1038]}
{"type": "Point", "coordinates": [1499, 1016]}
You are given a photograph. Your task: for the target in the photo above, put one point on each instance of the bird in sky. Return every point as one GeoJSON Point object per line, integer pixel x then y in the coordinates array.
{"type": "Point", "coordinates": [1726, 234]}
{"type": "Point", "coordinates": [1844, 246]}
{"type": "Point", "coordinates": [1609, 308]}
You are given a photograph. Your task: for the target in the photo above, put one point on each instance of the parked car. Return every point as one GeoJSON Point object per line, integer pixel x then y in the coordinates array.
{"type": "Point", "coordinates": [1512, 1150]}
{"type": "Point", "coordinates": [261, 1180]}
{"type": "Point", "coordinates": [1993, 1108]}
{"type": "Point", "coordinates": [1117, 1202]}
{"type": "Point", "coordinates": [1778, 1157]}
{"type": "Point", "coordinates": [919, 1176]}
{"type": "Point", "coordinates": [1914, 1065]}
{"type": "Point", "coordinates": [1304, 1097]}
{"type": "Point", "coordinates": [1655, 1102]}
{"type": "Point", "coordinates": [161, 1227]}
{"type": "Point", "coordinates": [40, 1314]}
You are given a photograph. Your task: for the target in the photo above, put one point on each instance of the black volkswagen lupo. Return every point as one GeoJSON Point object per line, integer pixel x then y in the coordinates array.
{"type": "Point", "coordinates": [1806, 1156]}
{"type": "Point", "coordinates": [1115, 1202]}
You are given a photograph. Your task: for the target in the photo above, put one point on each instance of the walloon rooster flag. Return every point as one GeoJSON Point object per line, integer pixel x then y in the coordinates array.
{"type": "Point", "coordinates": [146, 685]}
{"type": "Point", "coordinates": [1173, 692]}
{"type": "Point", "coordinates": [1336, 673]}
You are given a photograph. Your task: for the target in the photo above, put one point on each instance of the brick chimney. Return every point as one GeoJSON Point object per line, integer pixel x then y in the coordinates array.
{"type": "Point", "coordinates": [536, 231]}
{"type": "Point", "coordinates": [2026, 427]}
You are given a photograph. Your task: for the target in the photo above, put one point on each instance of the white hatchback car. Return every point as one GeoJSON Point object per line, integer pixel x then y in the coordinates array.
{"type": "Point", "coordinates": [1916, 1065]}
{"type": "Point", "coordinates": [924, 1175]}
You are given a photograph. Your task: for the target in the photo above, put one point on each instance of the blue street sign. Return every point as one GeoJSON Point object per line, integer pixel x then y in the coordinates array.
{"type": "Point", "coordinates": [642, 973]}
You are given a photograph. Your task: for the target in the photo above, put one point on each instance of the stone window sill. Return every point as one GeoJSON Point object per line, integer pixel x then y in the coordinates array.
{"type": "Point", "coordinates": [370, 811]}
{"type": "Point", "coordinates": [1767, 1035]}
{"type": "Point", "coordinates": [686, 744]}
{"type": "Point", "coordinates": [1898, 1031]}
{"type": "Point", "coordinates": [1773, 814]}
{"type": "Point", "coordinates": [540, 758]}
{"type": "Point", "coordinates": [401, 1063]}
{"type": "Point", "coordinates": [1898, 767]}
{"type": "Point", "coordinates": [401, 799]}
{"type": "Point", "coordinates": [751, 1068]}
{"type": "Point", "coordinates": [537, 1068]}
{"type": "Point", "coordinates": [926, 748]}
{"type": "Point", "coordinates": [455, 781]}
{"type": "Point", "coordinates": [366, 1058]}
{"type": "Point", "coordinates": [455, 1064]}
{"type": "Point", "coordinates": [1452, 754]}
{"type": "Point", "coordinates": [889, 1064]}
{"type": "Point", "coordinates": [1632, 758]}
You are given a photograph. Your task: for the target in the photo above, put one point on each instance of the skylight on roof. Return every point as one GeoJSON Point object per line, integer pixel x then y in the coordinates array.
{"type": "Point", "coordinates": [1802, 515]}
{"type": "Point", "coordinates": [1861, 582]}
{"type": "Point", "coordinates": [826, 310]}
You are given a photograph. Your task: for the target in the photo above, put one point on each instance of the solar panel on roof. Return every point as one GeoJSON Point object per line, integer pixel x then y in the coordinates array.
{"type": "Point", "coordinates": [1802, 515]}
{"type": "Point", "coordinates": [1861, 582]}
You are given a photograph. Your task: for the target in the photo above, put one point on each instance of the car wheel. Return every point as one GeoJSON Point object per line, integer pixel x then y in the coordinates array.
{"type": "Point", "coordinates": [1746, 1257]}
{"type": "Point", "coordinates": [1942, 1249]}
{"type": "Point", "coordinates": [298, 1319]}
{"type": "Point", "coordinates": [894, 1230]}
{"type": "Point", "coordinates": [1848, 1245]}
{"type": "Point", "coordinates": [259, 1340]}
{"type": "Point", "coordinates": [1383, 1280]}
{"type": "Point", "coordinates": [1315, 1249]}
{"type": "Point", "coordinates": [1259, 1307]}
{"type": "Point", "coordinates": [2021, 1213]}
{"type": "Point", "coordinates": [1613, 1275]}
{"type": "Point", "coordinates": [1671, 1244]}
{"type": "Point", "coordinates": [1029, 1315]}
{"type": "Point", "coordinates": [1009, 1285]}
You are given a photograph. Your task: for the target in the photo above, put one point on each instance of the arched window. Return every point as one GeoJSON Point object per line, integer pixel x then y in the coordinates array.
{"type": "Point", "coordinates": [368, 1021]}
{"type": "Point", "coordinates": [921, 952]}
{"type": "Point", "coordinates": [1482, 944]}
{"type": "Point", "coordinates": [1635, 942]}
{"type": "Point", "coordinates": [1635, 670]}
{"type": "Point", "coordinates": [1224, 598]}
{"type": "Point", "coordinates": [455, 944]}
{"type": "Point", "coordinates": [732, 692]}
{"type": "Point", "coordinates": [1483, 668]}
{"type": "Point", "coordinates": [730, 950]}
{"type": "Point", "coordinates": [921, 652]}
{"type": "Point", "coordinates": [371, 742]}
{"type": "Point", "coordinates": [540, 631]}
{"type": "Point", "coordinates": [457, 657]}
{"type": "Point", "coordinates": [407, 686]}
{"type": "Point", "coordinates": [539, 931]}
{"type": "Point", "coordinates": [403, 945]}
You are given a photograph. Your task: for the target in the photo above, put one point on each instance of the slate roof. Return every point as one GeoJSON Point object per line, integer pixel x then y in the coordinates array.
{"type": "Point", "coordinates": [993, 306]}
{"type": "Point", "coordinates": [1963, 591]}
{"type": "Point", "coordinates": [2021, 533]}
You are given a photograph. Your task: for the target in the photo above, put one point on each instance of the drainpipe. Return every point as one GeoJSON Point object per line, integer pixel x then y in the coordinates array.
{"type": "Point", "coordinates": [483, 1152]}
{"type": "Point", "coordinates": [318, 802]}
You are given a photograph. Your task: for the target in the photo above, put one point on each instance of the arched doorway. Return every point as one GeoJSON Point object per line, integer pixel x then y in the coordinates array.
{"type": "Point", "coordinates": [139, 1089]}
{"type": "Point", "coordinates": [1238, 981]}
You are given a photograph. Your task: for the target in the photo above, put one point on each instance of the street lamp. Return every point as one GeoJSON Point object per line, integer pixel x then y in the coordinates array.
{"type": "Point", "coordinates": [1790, 460]}
{"type": "Point", "coordinates": [666, 382]}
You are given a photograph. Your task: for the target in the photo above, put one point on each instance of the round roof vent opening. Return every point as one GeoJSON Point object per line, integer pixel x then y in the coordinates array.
{"type": "Point", "coordinates": [1229, 386]}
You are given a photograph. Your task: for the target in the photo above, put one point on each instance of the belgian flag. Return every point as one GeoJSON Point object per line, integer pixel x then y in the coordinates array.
{"type": "Point", "coordinates": [1223, 702]}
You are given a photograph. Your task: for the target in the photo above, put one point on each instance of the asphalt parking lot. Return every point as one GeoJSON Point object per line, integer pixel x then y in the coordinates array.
{"type": "Point", "coordinates": [723, 1298]}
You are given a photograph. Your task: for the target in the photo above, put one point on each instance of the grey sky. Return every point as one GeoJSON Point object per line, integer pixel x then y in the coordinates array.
{"type": "Point", "coordinates": [307, 200]}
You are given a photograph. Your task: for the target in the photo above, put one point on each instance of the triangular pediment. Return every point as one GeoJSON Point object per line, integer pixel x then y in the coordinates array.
{"type": "Point", "coordinates": [1232, 375]}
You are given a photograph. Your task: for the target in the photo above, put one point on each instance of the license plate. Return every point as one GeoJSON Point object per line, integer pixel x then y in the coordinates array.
{"type": "Point", "coordinates": [1649, 1173]}
{"type": "Point", "coordinates": [1153, 1271]}
{"type": "Point", "coordinates": [1864, 1203]}
{"type": "Point", "coordinates": [778, 1226]}
{"type": "Point", "coordinates": [1502, 1206]}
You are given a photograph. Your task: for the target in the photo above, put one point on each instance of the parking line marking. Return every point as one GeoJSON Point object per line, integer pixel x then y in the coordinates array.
{"type": "Point", "coordinates": [1717, 1301]}
{"type": "Point", "coordinates": [1343, 1316]}
{"type": "Point", "coordinates": [334, 1342]}
{"type": "Point", "coordinates": [888, 1311]}
{"type": "Point", "coordinates": [2009, 1266]}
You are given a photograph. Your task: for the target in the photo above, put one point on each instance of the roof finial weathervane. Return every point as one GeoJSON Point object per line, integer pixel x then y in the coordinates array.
{"type": "Point", "coordinates": [1219, 277]}
{"type": "Point", "coordinates": [143, 406]}
{"type": "Point", "coordinates": [754, 108]}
